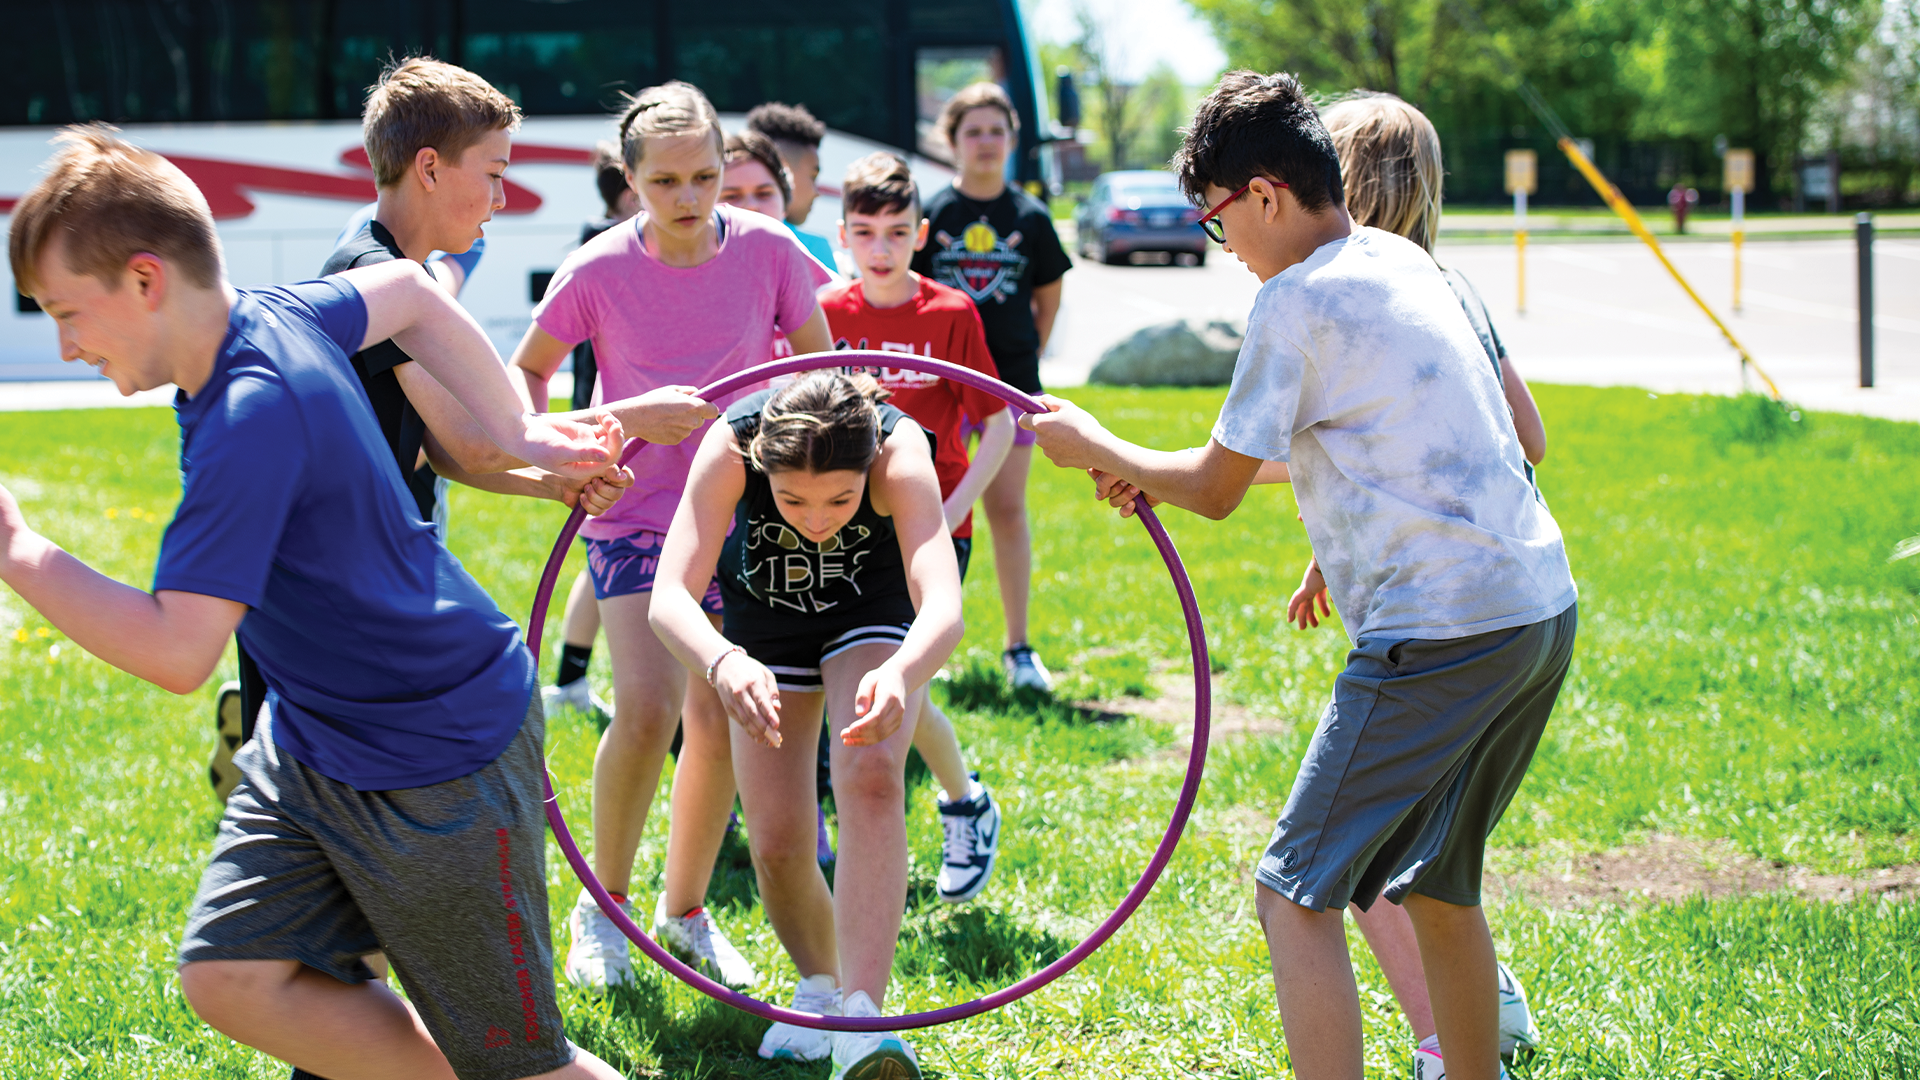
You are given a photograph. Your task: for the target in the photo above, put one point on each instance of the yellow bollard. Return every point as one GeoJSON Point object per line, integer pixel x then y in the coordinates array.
{"type": "Point", "coordinates": [1521, 181]}
{"type": "Point", "coordinates": [1739, 181]}
{"type": "Point", "coordinates": [1520, 255]}
{"type": "Point", "coordinates": [1619, 205]}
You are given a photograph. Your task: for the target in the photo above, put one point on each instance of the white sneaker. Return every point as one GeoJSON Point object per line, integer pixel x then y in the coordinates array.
{"type": "Point", "coordinates": [579, 696]}
{"type": "Point", "coordinates": [697, 943]}
{"type": "Point", "coordinates": [818, 995]}
{"type": "Point", "coordinates": [871, 1055]}
{"type": "Point", "coordinates": [973, 841]}
{"type": "Point", "coordinates": [1517, 1030]}
{"type": "Point", "coordinates": [598, 954]}
{"type": "Point", "coordinates": [1428, 1065]}
{"type": "Point", "coordinates": [1024, 669]}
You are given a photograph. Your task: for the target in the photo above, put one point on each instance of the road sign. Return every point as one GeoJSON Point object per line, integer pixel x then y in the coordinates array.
{"type": "Point", "coordinates": [1521, 172]}
{"type": "Point", "coordinates": [1739, 170]}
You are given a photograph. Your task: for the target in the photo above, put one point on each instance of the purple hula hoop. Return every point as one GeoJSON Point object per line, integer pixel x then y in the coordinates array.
{"type": "Point", "coordinates": [1189, 791]}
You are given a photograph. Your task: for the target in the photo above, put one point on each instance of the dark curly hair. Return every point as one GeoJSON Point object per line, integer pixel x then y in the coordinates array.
{"type": "Point", "coordinates": [784, 123]}
{"type": "Point", "coordinates": [1260, 125]}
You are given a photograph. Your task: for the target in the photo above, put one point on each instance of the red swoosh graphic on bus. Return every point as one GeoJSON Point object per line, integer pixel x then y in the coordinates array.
{"type": "Point", "coordinates": [225, 183]}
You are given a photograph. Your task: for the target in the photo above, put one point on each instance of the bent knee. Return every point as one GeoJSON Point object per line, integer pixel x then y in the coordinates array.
{"type": "Point", "coordinates": [869, 778]}
{"type": "Point", "coordinates": [219, 990]}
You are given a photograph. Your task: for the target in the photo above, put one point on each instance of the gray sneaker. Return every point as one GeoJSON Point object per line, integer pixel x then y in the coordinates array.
{"type": "Point", "coordinates": [871, 1055]}
{"type": "Point", "coordinates": [598, 956]}
{"type": "Point", "coordinates": [697, 943]}
{"type": "Point", "coordinates": [1024, 669]}
{"type": "Point", "coordinates": [579, 696]}
{"type": "Point", "coordinates": [815, 994]}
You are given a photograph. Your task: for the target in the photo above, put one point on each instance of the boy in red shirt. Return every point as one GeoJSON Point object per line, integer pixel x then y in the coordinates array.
{"type": "Point", "coordinates": [892, 309]}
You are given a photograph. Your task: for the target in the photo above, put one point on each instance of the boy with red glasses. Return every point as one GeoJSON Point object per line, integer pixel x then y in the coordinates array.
{"type": "Point", "coordinates": [1362, 381]}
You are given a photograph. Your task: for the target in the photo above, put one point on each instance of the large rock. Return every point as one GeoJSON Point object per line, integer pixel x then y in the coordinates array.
{"type": "Point", "coordinates": [1185, 352]}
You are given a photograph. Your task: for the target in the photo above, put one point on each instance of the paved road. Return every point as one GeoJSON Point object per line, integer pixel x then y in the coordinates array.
{"type": "Point", "coordinates": [1600, 313]}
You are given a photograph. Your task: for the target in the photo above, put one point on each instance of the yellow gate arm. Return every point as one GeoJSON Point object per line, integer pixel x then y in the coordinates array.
{"type": "Point", "coordinates": [1625, 210]}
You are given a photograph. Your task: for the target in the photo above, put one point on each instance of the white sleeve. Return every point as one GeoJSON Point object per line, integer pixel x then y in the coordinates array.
{"type": "Point", "coordinates": [1263, 404]}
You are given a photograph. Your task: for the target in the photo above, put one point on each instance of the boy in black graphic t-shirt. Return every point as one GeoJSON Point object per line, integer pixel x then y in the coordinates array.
{"type": "Point", "coordinates": [996, 244]}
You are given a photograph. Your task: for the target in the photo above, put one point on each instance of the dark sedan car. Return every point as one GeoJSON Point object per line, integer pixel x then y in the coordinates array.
{"type": "Point", "coordinates": [1138, 210]}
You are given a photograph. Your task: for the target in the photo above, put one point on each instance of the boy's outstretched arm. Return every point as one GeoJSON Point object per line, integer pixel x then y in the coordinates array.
{"type": "Point", "coordinates": [1210, 480]}
{"type": "Point", "coordinates": [406, 305]}
{"type": "Point", "coordinates": [995, 443]}
{"type": "Point", "coordinates": [171, 639]}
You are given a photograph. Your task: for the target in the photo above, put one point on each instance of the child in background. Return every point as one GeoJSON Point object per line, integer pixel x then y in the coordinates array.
{"type": "Point", "coordinates": [1391, 169]}
{"type": "Point", "coordinates": [392, 797]}
{"type": "Point", "coordinates": [684, 293]}
{"type": "Point", "coordinates": [819, 509]}
{"type": "Point", "coordinates": [1360, 372]}
{"type": "Point", "coordinates": [892, 309]}
{"type": "Point", "coordinates": [996, 244]}
{"type": "Point", "coordinates": [796, 135]}
{"type": "Point", "coordinates": [581, 623]}
{"type": "Point", "coordinates": [439, 138]}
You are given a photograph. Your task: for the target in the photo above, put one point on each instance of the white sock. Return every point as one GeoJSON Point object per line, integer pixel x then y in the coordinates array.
{"type": "Point", "coordinates": [1431, 1044]}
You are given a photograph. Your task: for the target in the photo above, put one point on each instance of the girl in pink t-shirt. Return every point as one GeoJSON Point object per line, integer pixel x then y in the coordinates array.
{"type": "Point", "coordinates": [680, 295]}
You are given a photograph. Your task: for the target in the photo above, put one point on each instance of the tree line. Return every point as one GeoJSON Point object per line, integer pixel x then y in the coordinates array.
{"type": "Point", "coordinates": [1660, 87]}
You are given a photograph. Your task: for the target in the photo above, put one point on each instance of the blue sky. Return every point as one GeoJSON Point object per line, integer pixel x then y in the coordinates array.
{"type": "Point", "coordinates": [1163, 30]}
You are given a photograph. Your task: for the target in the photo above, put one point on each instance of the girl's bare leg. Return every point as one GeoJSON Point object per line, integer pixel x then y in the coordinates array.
{"type": "Point", "coordinates": [869, 788]}
{"type": "Point", "coordinates": [649, 687]}
{"type": "Point", "coordinates": [777, 798]}
{"type": "Point", "coordinates": [703, 793]}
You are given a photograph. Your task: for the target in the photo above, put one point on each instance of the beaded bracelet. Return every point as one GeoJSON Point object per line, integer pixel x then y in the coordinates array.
{"type": "Point", "coordinates": [714, 668]}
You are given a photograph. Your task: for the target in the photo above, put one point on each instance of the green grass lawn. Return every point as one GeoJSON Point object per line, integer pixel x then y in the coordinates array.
{"type": "Point", "coordinates": [1748, 673]}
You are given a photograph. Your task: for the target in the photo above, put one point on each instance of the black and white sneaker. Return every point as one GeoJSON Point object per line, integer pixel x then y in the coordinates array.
{"type": "Point", "coordinates": [1024, 669]}
{"type": "Point", "coordinates": [229, 733]}
{"type": "Point", "coordinates": [973, 841]}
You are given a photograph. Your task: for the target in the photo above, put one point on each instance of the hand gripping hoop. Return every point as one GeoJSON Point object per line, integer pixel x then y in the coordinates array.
{"type": "Point", "coordinates": [1189, 790]}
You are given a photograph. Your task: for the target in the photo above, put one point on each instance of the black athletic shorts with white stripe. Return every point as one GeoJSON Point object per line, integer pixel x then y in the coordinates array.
{"type": "Point", "coordinates": [793, 645]}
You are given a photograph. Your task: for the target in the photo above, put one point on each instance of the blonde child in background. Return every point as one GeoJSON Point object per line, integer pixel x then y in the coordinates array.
{"type": "Point", "coordinates": [682, 294]}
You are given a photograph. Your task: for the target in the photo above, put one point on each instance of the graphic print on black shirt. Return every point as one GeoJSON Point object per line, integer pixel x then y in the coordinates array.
{"type": "Point", "coordinates": [767, 561]}
{"type": "Point", "coordinates": [997, 252]}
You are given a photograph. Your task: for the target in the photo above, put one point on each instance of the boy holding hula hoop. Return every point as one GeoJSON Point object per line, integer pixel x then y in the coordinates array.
{"type": "Point", "coordinates": [683, 293]}
{"type": "Point", "coordinates": [820, 510]}
{"type": "Point", "coordinates": [1363, 379]}
{"type": "Point", "coordinates": [391, 800]}
{"type": "Point", "coordinates": [996, 243]}
{"type": "Point", "coordinates": [1390, 168]}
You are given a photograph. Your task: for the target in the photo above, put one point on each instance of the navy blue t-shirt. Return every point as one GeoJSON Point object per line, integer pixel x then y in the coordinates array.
{"type": "Point", "coordinates": [387, 665]}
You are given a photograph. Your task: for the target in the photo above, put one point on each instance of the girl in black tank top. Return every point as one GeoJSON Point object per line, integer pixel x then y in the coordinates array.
{"type": "Point", "coordinates": [842, 598]}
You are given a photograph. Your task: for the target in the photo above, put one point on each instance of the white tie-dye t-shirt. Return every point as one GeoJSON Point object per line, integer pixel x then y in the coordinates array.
{"type": "Point", "coordinates": [1361, 372]}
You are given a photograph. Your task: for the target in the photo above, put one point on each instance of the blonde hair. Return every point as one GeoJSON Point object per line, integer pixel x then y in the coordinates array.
{"type": "Point", "coordinates": [981, 95]}
{"type": "Point", "coordinates": [672, 108]}
{"type": "Point", "coordinates": [112, 200]}
{"type": "Point", "coordinates": [824, 421]}
{"type": "Point", "coordinates": [420, 102]}
{"type": "Point", "coordinates": [1390, 162]}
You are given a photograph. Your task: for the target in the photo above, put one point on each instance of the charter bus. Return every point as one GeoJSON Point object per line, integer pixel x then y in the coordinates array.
{"type": "Point", "coordinates": [258, 100]}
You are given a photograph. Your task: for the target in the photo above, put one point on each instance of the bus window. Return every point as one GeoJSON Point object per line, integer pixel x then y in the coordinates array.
{"type": "Point", "coordinates": [940, 73]}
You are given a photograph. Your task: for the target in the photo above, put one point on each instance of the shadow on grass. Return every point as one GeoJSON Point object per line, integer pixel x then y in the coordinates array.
{"type": "Point", "coordinates": [980, 687]}
{"type": "Point", "coordinates": [979, 945]}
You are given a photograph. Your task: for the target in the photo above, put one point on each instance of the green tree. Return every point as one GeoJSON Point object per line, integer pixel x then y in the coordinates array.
{"type": "Point", "coordinates": [1755, 71]}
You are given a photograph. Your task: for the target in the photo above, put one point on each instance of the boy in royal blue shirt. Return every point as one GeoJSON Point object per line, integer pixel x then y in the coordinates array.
{"type": "Point", "coordinates": [393, 799]}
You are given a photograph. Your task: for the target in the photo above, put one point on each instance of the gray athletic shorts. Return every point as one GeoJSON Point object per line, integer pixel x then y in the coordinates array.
{"type": "Point", "coordinates": [1418, 755]}
{"type": "Point", "coordinates": [449, 880]}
